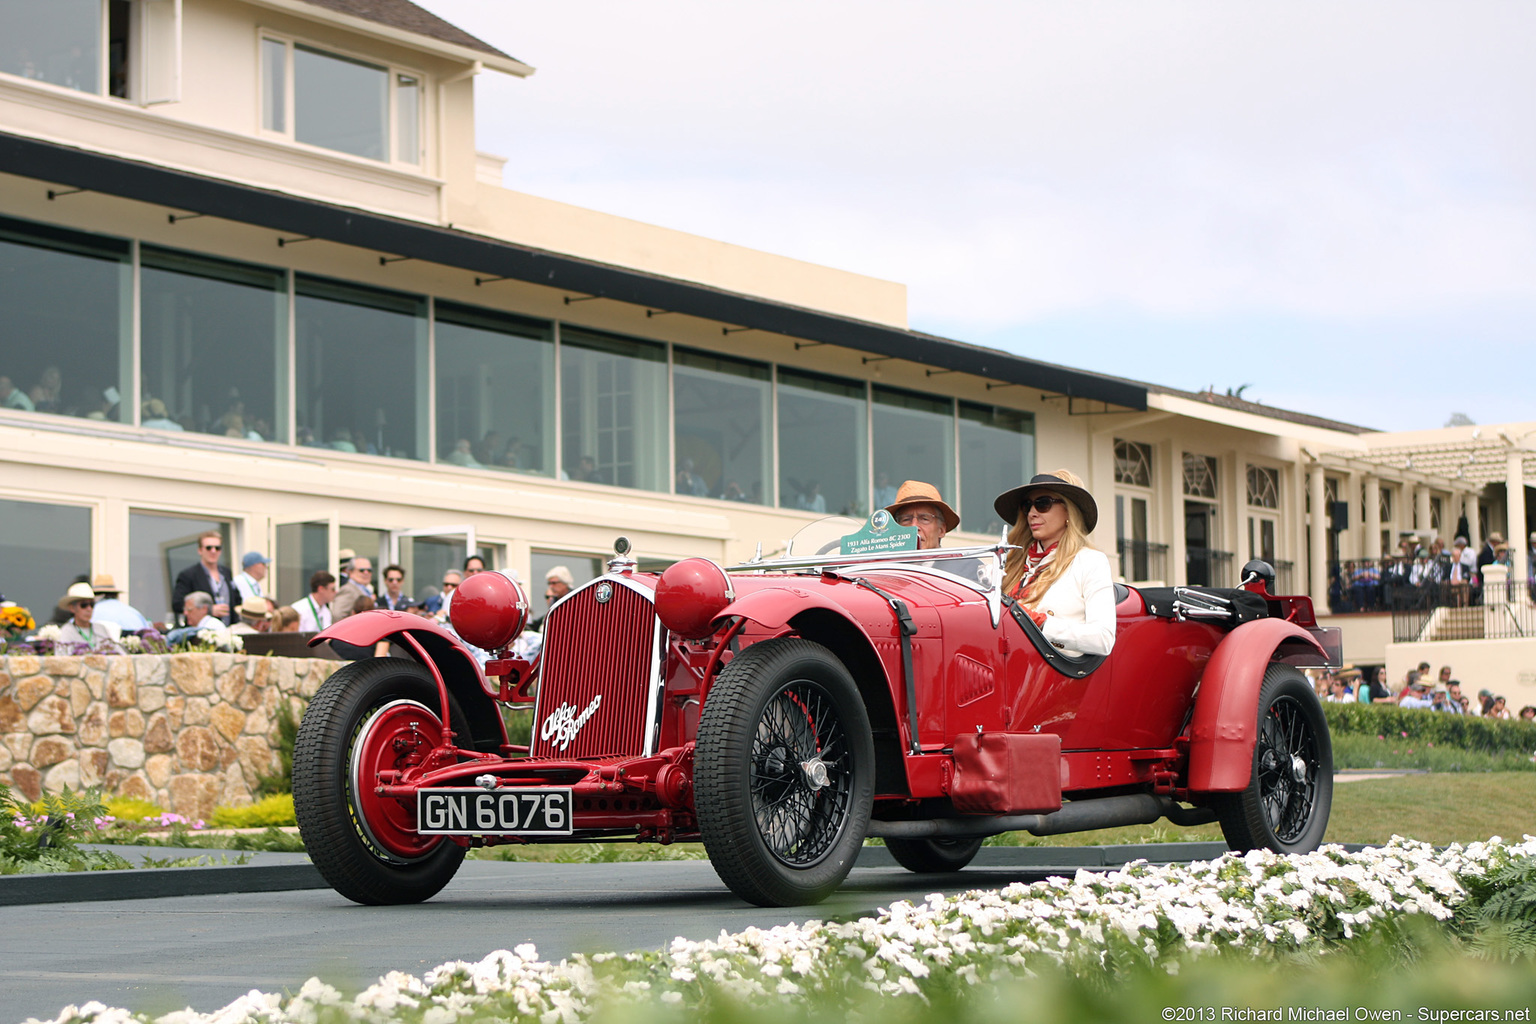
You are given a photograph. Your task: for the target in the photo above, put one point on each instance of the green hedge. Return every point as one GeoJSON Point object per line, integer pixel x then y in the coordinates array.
{"type": "Point", "coordinates": [1489, 735]}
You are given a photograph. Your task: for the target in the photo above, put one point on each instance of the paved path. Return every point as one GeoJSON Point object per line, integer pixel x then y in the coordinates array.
{"type": "Point", "coordinates": [203, 951]}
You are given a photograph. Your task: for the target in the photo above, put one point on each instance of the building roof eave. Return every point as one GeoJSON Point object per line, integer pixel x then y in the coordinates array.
{"type": "Point", "coordinates": [464, 47]}
{"type": "Point", "coordinates": [492, 257]}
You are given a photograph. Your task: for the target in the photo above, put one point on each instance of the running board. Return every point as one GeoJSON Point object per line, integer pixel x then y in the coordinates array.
{"type": "Point", "coordinates": [1075, 816]}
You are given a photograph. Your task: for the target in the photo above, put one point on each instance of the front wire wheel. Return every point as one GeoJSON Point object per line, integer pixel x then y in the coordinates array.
{"type": "Point", "coordinates": [1290, 790]}
{"type": "Point", "coordinates": [370, 716]}
{"type": "Point", "coordinates": [784, 773]}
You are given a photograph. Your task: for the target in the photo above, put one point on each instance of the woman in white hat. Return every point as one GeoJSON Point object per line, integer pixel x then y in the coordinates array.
{"type": "Point", "coordinates": [80, 601]}
{"type": "Point", "coordinates": [1064, 584]}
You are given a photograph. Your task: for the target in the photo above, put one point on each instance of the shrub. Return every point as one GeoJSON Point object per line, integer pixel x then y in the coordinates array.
{"type": "Point", "coordinates": [1486, 735]}
{"type": "Point", "coordinates": [276, 809]}
{"type": "Point", "coordinates": [132, 810]}
{"type": "Point", "coordinates": [281, 781]}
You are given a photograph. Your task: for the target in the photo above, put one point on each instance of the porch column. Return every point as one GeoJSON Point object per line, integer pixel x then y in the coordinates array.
{"type": "Point", "coordinates": [1317, 572]}
{"type": "Point", "coordinates": [1421, 513]}
{"type": "Point", "coordinates": [1474, 528]}
{"type": "Point", "coordinates": [1514, 501]}
{"type": "Point", "coordinates": [1372, 516]}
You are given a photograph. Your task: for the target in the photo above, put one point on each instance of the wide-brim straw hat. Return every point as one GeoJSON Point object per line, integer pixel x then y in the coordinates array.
{"type": "Point", "coordinates": [76, 593]}
{"type": "Point", "coordinates": [1007, 504]}
{"type": "Point", "coordinates": [254, 608]}
{"type": "Point", "coordinates": [915, 492]}
{"type": "Point", "coordinates": [104, 584]}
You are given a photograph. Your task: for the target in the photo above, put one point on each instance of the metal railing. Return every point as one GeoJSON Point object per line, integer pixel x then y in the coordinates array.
{"type": "Point", "coordinates": [1141, 560]}
{"type": "Point", "coordinates": [1208, 568]}
{"type": "Point", "coordinates": [1505, 614]}
{"type": "Point", "coordinates": [1285, 578]}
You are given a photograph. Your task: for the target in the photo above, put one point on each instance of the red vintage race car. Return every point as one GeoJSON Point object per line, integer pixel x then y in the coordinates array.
{"type": "Point", "coordinates": [783, 711]}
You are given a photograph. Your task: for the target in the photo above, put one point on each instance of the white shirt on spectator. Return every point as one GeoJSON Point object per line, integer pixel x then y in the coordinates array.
{"type": "Point", "coordinates": [313, 617]}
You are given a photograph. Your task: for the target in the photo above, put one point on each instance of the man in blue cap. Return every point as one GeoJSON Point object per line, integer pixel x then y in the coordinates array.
{"type": "Point", "coordinates": [253, 572]}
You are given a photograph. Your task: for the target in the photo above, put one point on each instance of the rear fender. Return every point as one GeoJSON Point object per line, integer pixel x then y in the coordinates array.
{"type": "Point", "coordinates": [461, 672]}
{"type": "Point", "coordinates": [1225, 722]}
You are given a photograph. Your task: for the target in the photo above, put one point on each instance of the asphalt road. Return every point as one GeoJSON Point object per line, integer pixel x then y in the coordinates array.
{"type": "Point", "coordinates": [203, 951]}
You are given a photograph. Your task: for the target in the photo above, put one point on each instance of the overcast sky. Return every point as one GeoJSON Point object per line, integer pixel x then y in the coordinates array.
{"type": "Point", "coordinates": [1332, 203]}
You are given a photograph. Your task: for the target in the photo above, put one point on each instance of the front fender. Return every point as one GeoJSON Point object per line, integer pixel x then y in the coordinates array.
{"type": "Point", "coordinates": [461, 672]}
{"type": "Point", "coordinates": [773, 608]}
{"type": "Point", "coordinates": [1225, 723]}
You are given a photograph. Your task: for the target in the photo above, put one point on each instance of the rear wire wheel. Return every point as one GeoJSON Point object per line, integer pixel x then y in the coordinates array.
{"type": "Point", "coordinates": [784, 773]}
{"type": "Point", "coordinates": [370, 716]}
{"type": "Point", "coordinates": [931, 856]}
{"type": "Point", "coordinates": [1290, 790]}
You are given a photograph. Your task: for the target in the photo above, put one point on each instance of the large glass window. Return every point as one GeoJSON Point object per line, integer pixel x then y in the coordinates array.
{"type": "Point", "coordinates": [43, 549]}
{"type": "Point", "coordinates": [997, 451]}
{"type": "Point", "coordinates": [362, 369]}
{"type": "Point", "coordinates": [408, 119]}
{"type": "Point", "coordinates": [340, 103]}
{"type": "Point", "coordinates": [614, 408]}
{"type": "Point", "coordinates": [914, 440]}
{"type": "Point", "coordinates": [67, 346]}
{"type": "Point", "coordinates": [159, 548]}
{"type": "Point", "coordinates": [302, 550]}
{"type": "Point", "coordinates": [57, 42]}
{"type": "Point", "coordinates": [495, 390]}
{"type": "Point", "coordinates": [274, 85]}
{"type": "Point", "coordinates": [823, 444]}
{"type": "Point", "coordinates": [215, 346]}
{"type": "Point", "coordinates": [721, 410]}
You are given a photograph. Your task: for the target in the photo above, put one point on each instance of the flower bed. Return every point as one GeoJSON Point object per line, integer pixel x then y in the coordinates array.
{"type": "Point", "coordinates": [1259, 907]}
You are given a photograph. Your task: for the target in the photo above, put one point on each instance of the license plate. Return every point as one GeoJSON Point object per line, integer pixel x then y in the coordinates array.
{"type": "Point", "coordinates": [479, 812]}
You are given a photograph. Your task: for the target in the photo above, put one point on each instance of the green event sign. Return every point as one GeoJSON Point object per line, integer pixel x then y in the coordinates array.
{"type": "Point", "coordinates": [880, 534]}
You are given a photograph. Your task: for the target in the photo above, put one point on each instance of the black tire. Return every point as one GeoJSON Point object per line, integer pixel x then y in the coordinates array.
{"type": "Point", "coordinates": [784, 773]}
{"type": "Point", "coordinates": [378, 861]}
{"type": "Point", "coordinates": [929, 856]}
{"type": "Point", "coordinates": [1285, 807]}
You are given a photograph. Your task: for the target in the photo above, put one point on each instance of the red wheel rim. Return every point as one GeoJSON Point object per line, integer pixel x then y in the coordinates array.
{"type": "Point", "coordinates": [388, 823]}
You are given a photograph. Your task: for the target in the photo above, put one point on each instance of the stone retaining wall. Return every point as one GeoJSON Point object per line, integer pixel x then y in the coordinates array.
{"type": "Point", "coordinates": [186, 731]}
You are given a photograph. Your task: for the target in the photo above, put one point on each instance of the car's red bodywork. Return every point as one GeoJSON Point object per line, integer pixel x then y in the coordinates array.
{"type": "Point", "coordinates": [1170, 712]}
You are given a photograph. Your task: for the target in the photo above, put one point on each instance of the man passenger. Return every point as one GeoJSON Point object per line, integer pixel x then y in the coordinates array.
{"type": "Point", "coordinates": [918, 504]}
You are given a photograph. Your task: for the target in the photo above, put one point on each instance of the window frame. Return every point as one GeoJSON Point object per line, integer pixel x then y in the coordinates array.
{"type": "Point", "coordinates": [392, 71]}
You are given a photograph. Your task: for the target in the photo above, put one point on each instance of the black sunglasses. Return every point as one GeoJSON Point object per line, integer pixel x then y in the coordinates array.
{"type": "Point", "coordinates": [1043, 502]}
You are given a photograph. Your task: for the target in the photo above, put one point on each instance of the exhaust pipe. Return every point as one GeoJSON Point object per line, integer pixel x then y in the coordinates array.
{"type": "Point", "coordinates": [1075, 816]}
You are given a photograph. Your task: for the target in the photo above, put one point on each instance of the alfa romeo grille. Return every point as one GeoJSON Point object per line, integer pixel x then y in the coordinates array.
{"type": "Point", "coordinates": [595, 684]}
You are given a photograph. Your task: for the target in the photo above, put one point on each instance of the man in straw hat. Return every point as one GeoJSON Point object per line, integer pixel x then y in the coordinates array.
{"type": "Point", "coordinates": [111, 608]}
{"type": "Point", "coordinates": [80, 601]}
{"type": "Point", "coordinates": [254, 616]}
{"type": "Point", "coordinates": [918, 504]}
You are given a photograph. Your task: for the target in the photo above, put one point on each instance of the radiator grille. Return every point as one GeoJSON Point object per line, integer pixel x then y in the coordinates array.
{"type": "Point", "coordinates": [595, 680]}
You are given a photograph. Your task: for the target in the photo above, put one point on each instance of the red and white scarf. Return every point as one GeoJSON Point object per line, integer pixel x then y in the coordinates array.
{"type": "Point", "coordinates": [1036, 558]}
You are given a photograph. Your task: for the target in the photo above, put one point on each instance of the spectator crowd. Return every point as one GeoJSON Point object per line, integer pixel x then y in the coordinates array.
{"type": "Point", "coordinates": [1417, 689]}
{"type": "Point", "coordinates": [215, 607]}
{"type": "Point", "coordinates": [1424, 575]}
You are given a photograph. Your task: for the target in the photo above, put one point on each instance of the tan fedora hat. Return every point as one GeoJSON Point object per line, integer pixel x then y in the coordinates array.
{"type": "Point", "coordinates": [254, 608]}
{"type": "Point", "coordinates": [104, 584]}
{"type": "Point", "coordinates": [915, 492]}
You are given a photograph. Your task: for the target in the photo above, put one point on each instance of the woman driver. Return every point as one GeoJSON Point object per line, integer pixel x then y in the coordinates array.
{"type": "Point", "coordinates": [1064, 585]}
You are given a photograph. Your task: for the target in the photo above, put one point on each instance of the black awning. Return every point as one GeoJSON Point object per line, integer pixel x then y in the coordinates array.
{"type": "Point", "coordinates": [178, 190]}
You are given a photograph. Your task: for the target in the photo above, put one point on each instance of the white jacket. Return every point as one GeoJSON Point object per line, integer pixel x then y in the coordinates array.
{"type": "Point", "coordinates": [1080, 606]}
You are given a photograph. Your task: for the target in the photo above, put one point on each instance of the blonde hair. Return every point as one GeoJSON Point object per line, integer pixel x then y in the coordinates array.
{"type": "Point", "coordinates": [1073, 541]}
{"type": "Point", "coordinates": [284, 618]}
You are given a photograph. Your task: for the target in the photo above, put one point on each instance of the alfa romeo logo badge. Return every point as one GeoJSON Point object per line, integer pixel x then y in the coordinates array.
{"type": "Point", "coordinates": [604, 592]}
